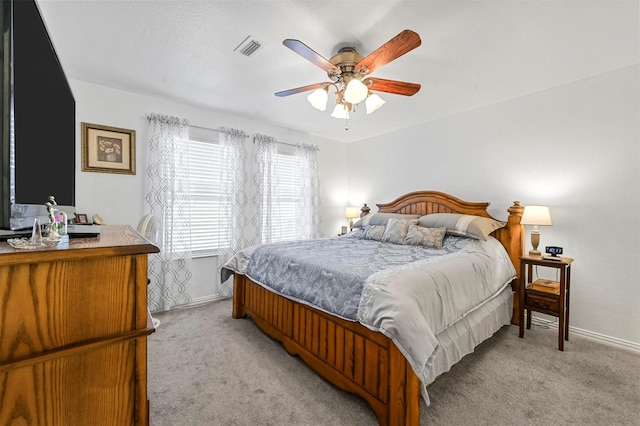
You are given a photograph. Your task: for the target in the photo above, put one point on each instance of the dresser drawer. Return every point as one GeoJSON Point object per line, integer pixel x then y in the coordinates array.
{"type": "Point", "coordinates": [95, 387]}
{"type": "Point", "coordinates": [51, 305]}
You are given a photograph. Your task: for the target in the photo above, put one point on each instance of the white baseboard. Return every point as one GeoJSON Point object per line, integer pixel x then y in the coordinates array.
{"type": "Point", "coordinates": [602, 338]}
{"type": "Point", "coordinates": [195, 302]}
{"type": "Point", "coordinates": [204, 299]}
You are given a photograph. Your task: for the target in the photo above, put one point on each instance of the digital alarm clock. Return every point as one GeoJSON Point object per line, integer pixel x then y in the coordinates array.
{"type": "Point", "coordinates": [553, 250]}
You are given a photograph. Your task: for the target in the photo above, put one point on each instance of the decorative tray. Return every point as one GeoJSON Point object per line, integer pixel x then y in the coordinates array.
{"type": "Point", "coordinates": [29, 244]}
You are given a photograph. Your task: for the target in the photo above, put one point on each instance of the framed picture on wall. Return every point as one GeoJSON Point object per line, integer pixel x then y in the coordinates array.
{"type": "Point", "coordinates": [108, 149]}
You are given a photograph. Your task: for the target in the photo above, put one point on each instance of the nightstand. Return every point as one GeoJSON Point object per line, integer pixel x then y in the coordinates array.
{"type": "Point", "coordinates": [546, 296]}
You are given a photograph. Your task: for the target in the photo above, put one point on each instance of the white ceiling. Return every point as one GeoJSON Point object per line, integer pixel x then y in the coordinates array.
{"type": "Point", "coordinates": [473, 53]}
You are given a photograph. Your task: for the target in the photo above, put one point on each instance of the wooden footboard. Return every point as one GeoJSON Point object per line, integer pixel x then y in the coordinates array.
{"type": "Point", "coordinates": [345, 353]}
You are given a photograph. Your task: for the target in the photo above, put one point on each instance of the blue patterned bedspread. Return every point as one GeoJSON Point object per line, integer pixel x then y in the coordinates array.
{"type": "Point", "coordinates": [329, 273]}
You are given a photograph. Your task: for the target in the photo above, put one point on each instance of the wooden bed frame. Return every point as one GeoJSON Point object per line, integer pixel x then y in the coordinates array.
{"type": "Point", "coordinates": [348, 354]}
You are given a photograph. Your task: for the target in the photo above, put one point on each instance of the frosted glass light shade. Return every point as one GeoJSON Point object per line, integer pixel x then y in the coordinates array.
{"type": "Point", "coordinates": [318, 99]}
{"type": "Point", "coordinates": [373, 103]}
{"type": "Point", "coordinates": [355, 92]}
{"type": "Point", "coordinates": [340, 111]}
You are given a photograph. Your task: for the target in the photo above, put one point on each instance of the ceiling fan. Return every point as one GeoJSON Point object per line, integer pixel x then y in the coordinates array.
{"type": "Point", "coordinates": [348, 71]}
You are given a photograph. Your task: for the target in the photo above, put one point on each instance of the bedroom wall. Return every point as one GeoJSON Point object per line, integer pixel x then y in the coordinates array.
{"type": "Point", "coordinates": [574, 147]}
{"type": "Point", "coordinates": [119, 199]}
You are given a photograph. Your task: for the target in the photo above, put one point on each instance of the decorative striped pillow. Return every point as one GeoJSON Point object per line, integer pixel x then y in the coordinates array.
{"type": "Point", "coordinates": [463, 225]}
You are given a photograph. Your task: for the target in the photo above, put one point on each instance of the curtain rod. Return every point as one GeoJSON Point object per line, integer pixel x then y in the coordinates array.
{"type": "Point", "coordinates": [283, 143]}
{"type": "Point", "coordinates": [286, 143]}
{"type": "Point", "coordinates": [294, 144]}
{"type": "Point", "coordinates": [209, 128]}
{"type": "Point", "coordinates": [246, 136]}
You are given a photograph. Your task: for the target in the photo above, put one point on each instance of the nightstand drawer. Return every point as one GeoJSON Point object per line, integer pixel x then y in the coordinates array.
{"type": "Point", "coordinates": [535, 301]}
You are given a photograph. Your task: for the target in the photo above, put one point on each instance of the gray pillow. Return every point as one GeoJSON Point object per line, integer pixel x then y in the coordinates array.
{"type": "Point", "coordinates": [374, 232]}
{"type": "Point", "coordinates": [397, 230]}
{"type": "Point", "coordinates": [363, 221]}
{"type": "Point", "coordinates": [428, 237]}
{"type": "Point", "coordinates": [463, 225]}
{"type": "Point", "coordinates": [382, 219]}
{"type": "Point", "coordinates": [355, 233]}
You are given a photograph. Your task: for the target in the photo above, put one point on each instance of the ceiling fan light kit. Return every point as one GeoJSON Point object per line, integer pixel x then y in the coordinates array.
{"type": "Point", "coordinates": [348, 71]}
{"type": "Point", "coordinates": [340, 111]}
{"type": "Point", "coordinates": [373, 102]}
{"type": "Point", "coordinates": [318, 98]}
{"type": "Point", "coordinates": [355, 91]}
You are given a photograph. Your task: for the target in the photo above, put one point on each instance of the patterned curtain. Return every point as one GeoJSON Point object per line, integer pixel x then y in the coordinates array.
{"type": "Point", "coordinates": [308, 206]}
{"type": "Point", "coordinates": [167, 177]}
{"type": "Point", "coordinates": [266, 196]}
{"type": "Point", "coordinates": [234, 199]}
{"type": "Point", "coordinates": [265, 179]}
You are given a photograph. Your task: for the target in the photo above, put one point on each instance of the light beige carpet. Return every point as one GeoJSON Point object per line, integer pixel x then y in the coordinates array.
{"type": "Point", "coordinates": [206, 368]}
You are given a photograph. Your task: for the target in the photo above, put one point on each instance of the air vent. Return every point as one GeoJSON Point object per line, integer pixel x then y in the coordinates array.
{"type": "Point", "coordinates": [248, 47]}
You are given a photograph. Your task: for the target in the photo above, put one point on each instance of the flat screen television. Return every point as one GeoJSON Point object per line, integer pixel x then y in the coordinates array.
{"type": "Point", "coordinates": [37, 155]}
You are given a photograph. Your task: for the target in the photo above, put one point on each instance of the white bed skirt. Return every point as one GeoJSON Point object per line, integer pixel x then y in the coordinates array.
{"type": "Point", "coordinates": [462, 337]}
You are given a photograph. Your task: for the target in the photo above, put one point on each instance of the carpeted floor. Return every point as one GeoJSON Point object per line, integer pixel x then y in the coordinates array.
{"type": "Point", "coordinates": [206, 368]}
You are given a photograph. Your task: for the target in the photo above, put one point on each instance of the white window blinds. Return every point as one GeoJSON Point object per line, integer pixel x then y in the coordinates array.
{"type": "Point", "coordinates": [208, 206]}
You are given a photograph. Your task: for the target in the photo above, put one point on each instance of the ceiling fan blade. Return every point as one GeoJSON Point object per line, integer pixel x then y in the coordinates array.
{"type": "Point", "coordinates": [392, 86]}
{"type": "Point", "coordinates": [299, 90]}
{"type": "Point", "coordinates": [311, 55]}
{"type": "Point", "coordinates": [404, 42]}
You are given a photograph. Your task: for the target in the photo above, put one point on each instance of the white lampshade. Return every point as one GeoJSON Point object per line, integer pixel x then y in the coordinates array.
{"type": "Point", "coordinates": [318, 99]}
{"type": "Point", "coordinates": [355, 92]}
{"type": "Point", "coordinates": [536, 215]}
{"type": "Point", "coordinates": [352, 212]}
{"type": "Point", "coordinates": [340, 111]}
{"type": "Point", "coordinates": [373, 103]}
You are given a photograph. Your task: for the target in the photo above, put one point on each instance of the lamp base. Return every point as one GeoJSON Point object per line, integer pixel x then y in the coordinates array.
{"type": "Point", "coordinates": [535, 241]}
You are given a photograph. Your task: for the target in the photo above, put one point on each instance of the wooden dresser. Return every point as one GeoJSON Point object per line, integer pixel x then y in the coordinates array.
{"type": "Point", "coordinates": [73, 332]}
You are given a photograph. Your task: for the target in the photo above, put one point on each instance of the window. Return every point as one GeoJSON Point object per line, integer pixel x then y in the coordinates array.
{"type": "Point", "coordinates": [281, 224]}
{"type": "Point", "coordinates": [207, 205]}
{"type": "Point", "coordinates": [288, 198]}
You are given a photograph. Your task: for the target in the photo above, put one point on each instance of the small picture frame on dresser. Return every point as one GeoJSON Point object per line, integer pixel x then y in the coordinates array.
{"type": "Point", "coordinates": [81, 218]}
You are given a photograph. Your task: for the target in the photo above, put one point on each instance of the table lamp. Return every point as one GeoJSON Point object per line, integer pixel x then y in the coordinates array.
{"type": "Point", "coordinates": [351, 213]}
{"type": "Point", "coordinates": [536, 216]}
